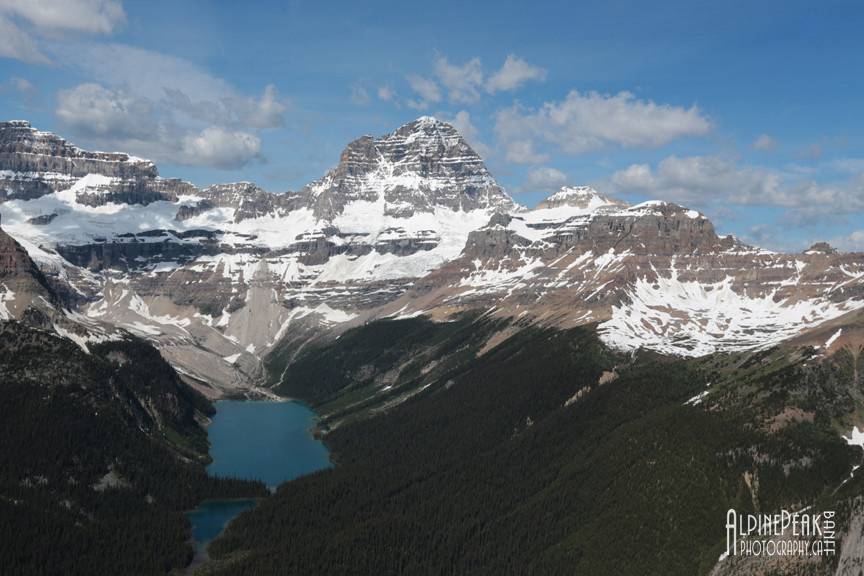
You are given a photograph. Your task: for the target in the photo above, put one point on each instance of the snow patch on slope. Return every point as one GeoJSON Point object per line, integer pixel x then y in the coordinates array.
{"type": "Point", "coordinates": [6, 295]}
{"type": "Point", "coordinates": [833, 338]}
{"type": "Point", "coordinates": [855, 438]}
{"type": "Point", "coordinates": [692, 319]}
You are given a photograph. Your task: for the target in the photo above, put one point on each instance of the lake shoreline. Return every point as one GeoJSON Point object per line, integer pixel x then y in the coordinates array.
{"type": "Point", "coordinates": [262, 439]}
{"type": "Point", "coordinates": [201, 554]}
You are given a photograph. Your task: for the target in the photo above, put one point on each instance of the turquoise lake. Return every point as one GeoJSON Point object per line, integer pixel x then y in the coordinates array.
{"type": "Point", "coordinates": [267, 441]}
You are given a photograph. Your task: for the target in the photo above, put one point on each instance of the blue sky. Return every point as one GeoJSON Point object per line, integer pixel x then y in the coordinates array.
{"type": "Point", "coordinates": [749, 111]}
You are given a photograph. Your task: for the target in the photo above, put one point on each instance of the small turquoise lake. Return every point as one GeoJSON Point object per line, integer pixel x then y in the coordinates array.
{"type": "Point", "coordinates": [267, 441]}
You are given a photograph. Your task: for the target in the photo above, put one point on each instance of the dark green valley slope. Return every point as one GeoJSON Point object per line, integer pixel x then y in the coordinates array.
{"type": "Point", "coordinates": [545, 454]}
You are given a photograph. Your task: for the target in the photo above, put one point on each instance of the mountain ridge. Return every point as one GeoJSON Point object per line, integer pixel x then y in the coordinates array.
{"type": "Point", "coordinates": [411, 222]}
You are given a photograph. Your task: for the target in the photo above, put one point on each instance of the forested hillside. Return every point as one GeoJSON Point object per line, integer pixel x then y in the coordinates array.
{"type": "Point", "coordinates": [547, 454]}
{"type": "Point", "coordinates": [100, 453]}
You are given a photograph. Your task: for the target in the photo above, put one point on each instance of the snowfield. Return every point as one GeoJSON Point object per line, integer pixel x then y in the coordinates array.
{"type": "Point", "coordinates": [692, 319]}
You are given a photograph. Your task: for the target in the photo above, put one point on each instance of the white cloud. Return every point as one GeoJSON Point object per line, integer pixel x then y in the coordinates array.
{"type": "Point", "coordinates": [585, 122]}
{"type": "Point", "coordinates": [144, 72]}
{"type": "Point", "coordinates": [465, 83]}
{"type": "Point", "coordinates": [706, 179]}
{"type": "Point", "coordinates": [114, 118]}
{"type": "Point", "coordinates": [22, 20]}
{"type": "Point", "coordinates": [164, 107]}
{"type": "Point", "coordinates": [359, 94]}
{"type": "Point", "coordinates": [177, 84]}
{"type": "Point", "coordinates": [853, 242]}
{"type": "Point", "coordinates": [839, 198]}
{"type": "Point", "coordinates": [544, 179]}
{"type": "Point", "coordinates": [462, 82]}
{"type": "Point", "coordinates": [699, 179]}
{"type": "Point", "coordinates": [231, 109]}
{"type": "Point", "coordinates": [215, 146]}
{"type": "Point", "coordinates": [267, 112]}
{"type": "Point", "coordinates": [765, 143]}
{"type": "Point", "coordinates": [720, 186]}
{"type": "Point", "coordinates": [137, 100]}
{"type": "Point", "coordinates": [86, 16]}
{"type": "Point", "coordinates": [692, 179]}
{"type": "Point", "coordinates": [522, 151]}
{"type": "Point", "coordinates": [426, 89]}
{"type": "Point", "coordinates": [18, 45]}
{"type": "Point", "coordinates": [386, 93]}
{"type": "Point", "coordinates": [94, 110]}
{"type": "Point", "coordinates": [848, 165]}
{"type": "Point", "coordinates": [513, 74]}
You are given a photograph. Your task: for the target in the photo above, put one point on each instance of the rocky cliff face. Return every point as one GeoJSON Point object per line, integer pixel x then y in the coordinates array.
{"type": "Point", "coordinates": [656, 228]}
{"type": "Point", "coordinates": [21, 282]}
{"type": "Point", "coordinates": [25, 149]}
{"type": "Point", "coordinates": [247, 200]}
{"type": "Point", "coordinates": [35, 163]}
{"type": "Point", "coordinates": [13, 258]}
{"type": "Point", "coordinates": [143, 191]}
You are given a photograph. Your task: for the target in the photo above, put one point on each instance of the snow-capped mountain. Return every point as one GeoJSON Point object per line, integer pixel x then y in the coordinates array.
{"type": "Point", "coordinates": [654, 275]}
{"type": "Point", "coordinates": [423, 165]}
{"type": "Point", "coordinates": [225, 272]}
{"type": "Point", "coordinates": [408, 223]}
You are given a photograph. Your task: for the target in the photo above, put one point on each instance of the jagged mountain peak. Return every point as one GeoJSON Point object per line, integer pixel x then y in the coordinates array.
{"type": "Point", "coordinates": [430, 126]}
{"type": "Point", "coordinates": [423, 165]}
{"type": "Point", "coordinates": [426, 120]}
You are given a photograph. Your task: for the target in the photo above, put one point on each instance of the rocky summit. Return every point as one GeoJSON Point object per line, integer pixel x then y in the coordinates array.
{"type": "Point", "coordinates": [408, 223]}
{"type": "Point", "coordinates": [423, 165]}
